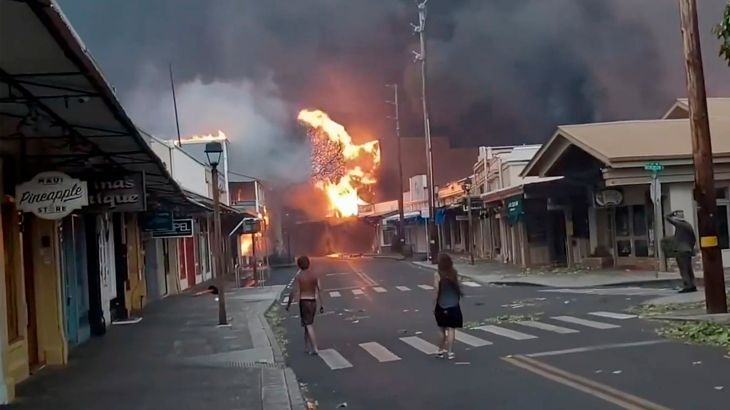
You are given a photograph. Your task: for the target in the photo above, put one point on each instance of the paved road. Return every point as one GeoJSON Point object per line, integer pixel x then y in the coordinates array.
{"type": "Point", "coordinates": [580, 350]}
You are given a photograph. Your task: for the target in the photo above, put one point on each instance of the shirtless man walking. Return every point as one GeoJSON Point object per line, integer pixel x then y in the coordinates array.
{"type": "Point", "coordinates": [307, 291]}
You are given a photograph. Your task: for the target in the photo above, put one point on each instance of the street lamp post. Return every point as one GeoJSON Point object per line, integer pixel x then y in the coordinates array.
{"type": "Point", "coordinates": [466, 186]}
{"type": "Point", "coordinates": [214, 150]}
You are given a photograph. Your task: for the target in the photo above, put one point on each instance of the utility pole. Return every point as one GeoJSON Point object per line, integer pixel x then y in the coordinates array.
{"type": "Point", "coordinates": [174, 104]}
{"type": "Point", "coordinates": [401, 218]}
{"type": "Point", "coordinates": [421, 56]}
{"type": "Point", "coordinates": [704, 190]}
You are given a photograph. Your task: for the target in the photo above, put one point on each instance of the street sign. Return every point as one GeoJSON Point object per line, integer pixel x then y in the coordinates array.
{"type": "Point", "coordinates": [654, 167]}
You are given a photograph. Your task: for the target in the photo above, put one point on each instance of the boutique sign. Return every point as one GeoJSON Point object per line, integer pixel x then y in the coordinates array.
{"type": "Point", "coordinates": [51, 195]}
{"type": "Point", "coordinates": [117, 193]}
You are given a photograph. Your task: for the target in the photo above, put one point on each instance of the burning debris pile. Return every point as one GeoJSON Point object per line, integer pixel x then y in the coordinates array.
{"type": "Point", "coordinates": [344, 171]}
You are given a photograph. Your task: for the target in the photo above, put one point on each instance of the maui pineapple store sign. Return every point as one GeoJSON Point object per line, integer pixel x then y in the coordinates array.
{"type": "Point", "coordinates": [51, 195]}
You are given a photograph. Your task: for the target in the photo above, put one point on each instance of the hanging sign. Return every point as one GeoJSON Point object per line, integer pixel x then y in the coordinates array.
{"type": "Point", "coordinates": [117, 193]}
{"type": "Point", "coordinates": [251, 225]}
{"type": "Point", "coordinates": [51, 195]}
{"type": "Point", "coordinates": [181, 228]}
{"type": "Point", "coordinates": [514, 209]}
{"type": "Point", "coordinates": [157, 221]}
{"type": "Point", "coordinates": [608, 197]}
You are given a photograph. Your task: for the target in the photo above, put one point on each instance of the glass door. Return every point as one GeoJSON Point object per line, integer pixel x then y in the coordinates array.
{"type": "Point", "coordinates": [632, 231]}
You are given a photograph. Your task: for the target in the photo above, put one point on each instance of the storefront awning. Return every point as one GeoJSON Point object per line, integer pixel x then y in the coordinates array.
{"type": "Point", "coordinates": [406, 216]}
{"type": "Point", "coordinates": [57, 112]}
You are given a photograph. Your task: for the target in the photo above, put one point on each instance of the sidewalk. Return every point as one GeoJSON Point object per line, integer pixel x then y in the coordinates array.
{"type": "Point", "coordinates": [175, 358]}
{"type": "Point", "coordinates": [505, 274]}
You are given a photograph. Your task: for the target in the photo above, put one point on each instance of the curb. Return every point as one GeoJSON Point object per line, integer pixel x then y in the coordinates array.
{"type": "Point", "coordinates": [296, 399]}
{"type": "Point", "coordinates": [543, 285]}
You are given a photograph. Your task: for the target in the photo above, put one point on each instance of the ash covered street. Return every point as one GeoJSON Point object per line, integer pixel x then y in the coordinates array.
{"type": "Point", "coordinates": [361, 204]}
{"type": "Point", "coordinates": [521, 347]}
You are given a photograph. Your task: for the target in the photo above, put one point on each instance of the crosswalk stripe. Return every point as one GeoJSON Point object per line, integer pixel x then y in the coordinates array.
{"type": "Point", "coordinates": [357, 292]}
{"type": "Point", "coordinates": [547, 326]}
{"type": "Point", "coordinates": [403, 288]}
{"type": "Point", "coordinates": [471, 284]}
{"type": "Point", "coordinates": [500, 331]}
{"type": "Point", "coordinates": [379, 289]}
{"type": "Point", "coordinates": [613, 315]}
{"type": "Point", "coordinates": [335, 294]}
{"type": "Point", "coordinates": [471, 340]}
{"type": "Point", "coordinates": [334, 359]}
{"type": "Point", "coordinates": [586, 322]}
{"type": "Point", "coordinates": [420, 344]}
{"type": "Point", "coordinates": [379, 352]}
{"type": "Point", "coordinates": [426, 287]}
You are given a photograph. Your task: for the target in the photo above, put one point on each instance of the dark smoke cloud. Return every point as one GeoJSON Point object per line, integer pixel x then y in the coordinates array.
{"type": "Point", "coordinates": [501, 71]}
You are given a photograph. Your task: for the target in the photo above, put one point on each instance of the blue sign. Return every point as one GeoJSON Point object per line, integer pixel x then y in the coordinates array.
{"type": "Point", "coordinates": [440, 216]}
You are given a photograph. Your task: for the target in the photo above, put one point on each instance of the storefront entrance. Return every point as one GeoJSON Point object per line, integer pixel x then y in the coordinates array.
{"type": "Point", "coordinates": [75, 279]}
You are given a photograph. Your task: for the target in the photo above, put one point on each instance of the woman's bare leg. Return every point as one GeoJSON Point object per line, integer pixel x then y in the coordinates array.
{"type": "Point", "coordinates": [450, 339]}
{"type": "Point", "coordinates": [442, 345]}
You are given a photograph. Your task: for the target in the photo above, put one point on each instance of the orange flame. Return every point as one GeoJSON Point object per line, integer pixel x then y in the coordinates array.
{"type": "Point", "coordinates": [343, 191]}
{"type": "Point", "coordinates": [204, 138]}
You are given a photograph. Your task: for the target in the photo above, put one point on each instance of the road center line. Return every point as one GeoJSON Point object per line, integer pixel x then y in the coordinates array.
{"type": "Point", "coordinates": [364, 276]}
{"type": "Point", "coordinates": [597, 347]}
{"type": "Point", "coordinates": [599, 390]}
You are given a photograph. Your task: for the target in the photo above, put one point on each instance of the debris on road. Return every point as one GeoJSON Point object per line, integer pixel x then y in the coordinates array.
{"type": "Point", "coordinates": [342, 405]}
{"type": "Point", "coordinates": [696, 363]}
{"type": "Point", "coordinates": [617, 371]}
{"type": "Point", "coordinates": [719, 387]}
{"type": "Point", "coordinates": [462, 363]}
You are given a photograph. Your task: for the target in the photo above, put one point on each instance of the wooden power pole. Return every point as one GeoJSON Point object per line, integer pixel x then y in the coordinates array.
{"type": "Point", "coordinates": [704, 190]}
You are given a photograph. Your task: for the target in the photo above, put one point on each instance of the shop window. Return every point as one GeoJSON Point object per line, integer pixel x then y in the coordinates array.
{"type": "Point", "coordinates": [632, 224]}
{"type": "Point", "coordinates": [10, 240]}
{"type": "Point", "coordinates": [639, 219]}
{"type": "Point", "coordinates": [457, 233]}
{"type": "Point", "coordinates": [623, 223]}
{"type": "Point", "coordinates": [388, 235]}
{"type": "Point", "coordinates": [624, 247]}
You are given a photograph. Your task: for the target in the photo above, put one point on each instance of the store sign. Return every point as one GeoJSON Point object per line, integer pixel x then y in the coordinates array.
{"type": "Point", "coordinates": [157, 221]}
{"type": "Point", "coordinates": [608, 197]}
{"type": "Point", "coordinates": [251, 225]}
{"type": "Point", "coordinates": [514, 209]}
{"type": "Point", "coordinates": [181, 228]}
{"type": "Point", "coordinates": [117, 193]}
{"type": "Point", "coordinates": [51, 195]}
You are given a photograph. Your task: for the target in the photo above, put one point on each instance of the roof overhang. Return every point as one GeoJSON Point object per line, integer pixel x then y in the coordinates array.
{"type": "Point", "coordinates": [57, 112]}
{"type": "Point", "coordinates": [547, 157]}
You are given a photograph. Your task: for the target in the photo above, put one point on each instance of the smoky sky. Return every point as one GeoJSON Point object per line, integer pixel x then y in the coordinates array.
{"type": "Point", "coordinates": [499, 71]}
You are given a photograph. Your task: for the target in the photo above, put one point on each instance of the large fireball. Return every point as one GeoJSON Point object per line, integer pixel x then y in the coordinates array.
{"type": "Point", "coordinates": [340, 168]}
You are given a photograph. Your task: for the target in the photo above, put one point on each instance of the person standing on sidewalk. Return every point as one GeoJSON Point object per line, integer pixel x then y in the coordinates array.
{"type": "Point", "coordinates": [447, 310]}
{"type": "Point", "coordinates": [307, 292]}
{"type": "Point", "coordinates": [684, 248]}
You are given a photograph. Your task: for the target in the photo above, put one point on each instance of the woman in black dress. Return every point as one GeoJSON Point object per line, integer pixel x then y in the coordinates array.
{"type": "Point", "coordinates": [447, 310]}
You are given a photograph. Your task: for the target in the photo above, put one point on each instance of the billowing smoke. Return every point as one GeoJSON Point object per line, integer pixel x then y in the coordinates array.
{"type": "Point", "coordinates": [500, 71]}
